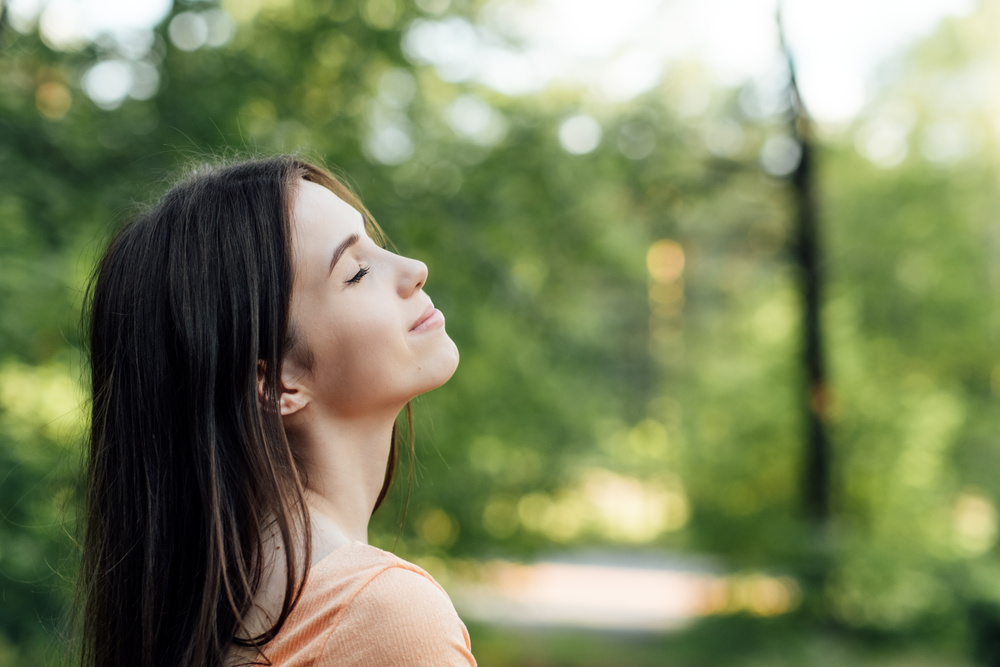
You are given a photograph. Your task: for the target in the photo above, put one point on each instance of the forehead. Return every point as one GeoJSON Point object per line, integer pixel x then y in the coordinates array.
{"type": "Point", "coordinates": [321, 221]}
{"type": "Point", "coordinates": [318, 214]}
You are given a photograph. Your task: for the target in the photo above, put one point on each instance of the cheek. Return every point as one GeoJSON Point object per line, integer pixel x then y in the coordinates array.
{"type": "Point", "coordinates": [360, 341]}
{"type": "Point", "coordinates": [360, 360]}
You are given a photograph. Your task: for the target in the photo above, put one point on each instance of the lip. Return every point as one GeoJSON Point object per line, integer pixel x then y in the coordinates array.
{"type": "Point", "coordinates": [431, 318]}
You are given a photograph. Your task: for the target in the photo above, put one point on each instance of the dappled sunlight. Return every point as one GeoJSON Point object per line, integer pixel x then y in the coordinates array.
{"type": "Point", "coordinates": [751, 593]}
{"type": "Point", "coordinates": [611, 592]}
{"type": "Point", "coordinates": [602, 504]}
{"type": "Point", "coordinates": [629, 510]}
{"type": "Point", "coordinates": [472, 118]}
{"type": "Point", "coordinates": [190, 31]}
{"type": "Point", "coordinates": [884, 139]}
{"type": "Point", "coordinates": [975, 522]}
{"type": "Point", "coordinates": [665, 263]}
{"type": "Point", "coordinates": [646, 445]}
{"type": "Point", "coordinates": [381, 14]}
{"type": "Point", "coordinates": [580, 134]}
{"type": "Point", "coordinates": [780, 154]}
{"type": "Point", "coordinates": [244, 11]}
{"type": "Point", "coordinates": [451, 45]}
{"type": "Point", "coordinates": [46, 399]}
{"type": "Point", "coordinates": [108, 83]}
{"type": "Point", "coordinates": [776, 319]}
{"type": "Point", "coordinates": [53, 99]}
{"type": "Point", "coordinates": [437, 528]}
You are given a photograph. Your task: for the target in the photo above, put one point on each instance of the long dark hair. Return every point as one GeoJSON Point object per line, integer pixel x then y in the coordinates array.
{"type": "Point", "coordinates": [189, 469]}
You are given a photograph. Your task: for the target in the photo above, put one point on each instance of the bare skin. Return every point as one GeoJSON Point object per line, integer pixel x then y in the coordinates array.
{"type": "Point", "coordinates": [369, 340]}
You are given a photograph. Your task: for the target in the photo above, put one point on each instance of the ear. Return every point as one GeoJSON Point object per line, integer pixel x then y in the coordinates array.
{"type": "Point", "coordinates": [292, 397]}
{"type": "Point", "coordinates": [291, 401]}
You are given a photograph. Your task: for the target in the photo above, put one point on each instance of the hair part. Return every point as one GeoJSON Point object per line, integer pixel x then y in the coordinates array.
{"type": "Point", "coordinates": [188, 473]}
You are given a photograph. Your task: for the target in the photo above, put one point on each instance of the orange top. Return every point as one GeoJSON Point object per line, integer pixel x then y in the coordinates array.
{"type": "Point", "coordinates": [363, 606]}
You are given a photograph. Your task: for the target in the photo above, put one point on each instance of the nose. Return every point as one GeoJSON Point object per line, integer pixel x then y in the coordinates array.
{"type": "Point", "coordinates": [412, 276]}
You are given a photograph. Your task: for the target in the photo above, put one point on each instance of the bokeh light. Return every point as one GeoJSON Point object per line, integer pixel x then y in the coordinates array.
{"type": "Point", "coordinates": [580, 134]}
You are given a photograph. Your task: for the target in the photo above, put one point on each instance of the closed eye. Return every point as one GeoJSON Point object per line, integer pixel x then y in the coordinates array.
{"type": "Point", "coordinates": [362, 272]}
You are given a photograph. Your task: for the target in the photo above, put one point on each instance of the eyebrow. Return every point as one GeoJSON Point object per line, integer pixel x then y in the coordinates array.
{"type": "Point", "coordinates": [342, 248]}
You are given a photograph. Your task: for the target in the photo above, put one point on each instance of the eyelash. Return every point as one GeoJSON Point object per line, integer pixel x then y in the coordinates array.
{"type": "Point", "coordinates": [362, 272]}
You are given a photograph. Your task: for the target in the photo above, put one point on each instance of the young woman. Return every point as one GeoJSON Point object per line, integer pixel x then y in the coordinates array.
{"type": "Point", "coordinates": [252, 344]}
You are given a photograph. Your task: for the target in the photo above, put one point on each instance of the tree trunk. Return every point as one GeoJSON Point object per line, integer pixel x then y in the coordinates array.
{"type": "Point", "coordinates": [808, 255]}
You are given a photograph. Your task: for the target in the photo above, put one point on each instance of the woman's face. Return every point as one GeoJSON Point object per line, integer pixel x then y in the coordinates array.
{"type": "Point", "coordinates": [373, 336]}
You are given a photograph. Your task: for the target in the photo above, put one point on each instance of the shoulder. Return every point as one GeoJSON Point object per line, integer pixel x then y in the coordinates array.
{"type": "Point", "coordinates": [400, 616]}
{"type": "Point", "coordinates": [403, 593]}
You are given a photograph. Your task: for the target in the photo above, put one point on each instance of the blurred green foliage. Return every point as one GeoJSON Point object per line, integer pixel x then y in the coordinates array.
{"type": "Point", "coordinates": [627, 318]}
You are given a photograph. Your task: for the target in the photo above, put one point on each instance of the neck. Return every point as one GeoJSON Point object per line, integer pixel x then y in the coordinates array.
{"type": "Point", "coordinates": [344, 461]}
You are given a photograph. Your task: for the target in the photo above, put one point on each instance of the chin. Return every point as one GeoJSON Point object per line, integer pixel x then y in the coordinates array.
{"type": "Point", "coordinates": [443, 368]}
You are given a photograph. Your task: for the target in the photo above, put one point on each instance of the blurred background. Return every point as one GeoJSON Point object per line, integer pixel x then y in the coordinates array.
{"type": "Point", "coordinates": [729, 370]}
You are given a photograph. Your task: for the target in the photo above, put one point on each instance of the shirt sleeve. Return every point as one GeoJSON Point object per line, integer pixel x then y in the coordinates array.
{"type": "Point", "coordinates": [401, 617]}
